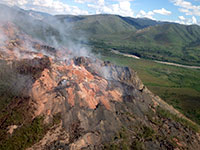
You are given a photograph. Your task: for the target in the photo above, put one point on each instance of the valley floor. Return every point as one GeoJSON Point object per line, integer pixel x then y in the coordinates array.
{"type": "Point", "coordinates": [177, 65]}
{"type": "Point", "coordinates": [161, 62]}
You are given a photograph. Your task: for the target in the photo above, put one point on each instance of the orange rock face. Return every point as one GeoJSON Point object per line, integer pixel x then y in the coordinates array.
{"type": "Point", "coordinates": [85, 89]}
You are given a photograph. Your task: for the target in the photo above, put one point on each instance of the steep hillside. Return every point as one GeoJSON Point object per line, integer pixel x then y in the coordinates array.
{"type": "Point", "coordinates": [52, 99]}
{"type": "Point", "coordinates": [168, 35]}
{"type": "Point", "coordinates": [140, 23]}
{"type": "Point", "coordinates": [166, 42]}
{"type": "Point", "coordinates": [97, 24]}
{"type": "Point", "coordinates": [29, 23]}
{"type": "Point", "coordinates": [146, 38]}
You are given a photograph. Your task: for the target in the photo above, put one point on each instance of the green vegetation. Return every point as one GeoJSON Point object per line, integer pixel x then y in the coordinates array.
{"type": "Point", "coordinates": [98, 24]}
{"type": "Point", "coordinates": [143, 37]}
{"type": "Point", "coordinates": [178, 86]}
{"type": "Point", "coordinates": [123, 140]}
{"type": "Point", "coordinates": [149, 39]}
{"type": "Point", "coordinates": [15, 110]}
{"type": "Point", "coordinates": [25, 136]}
{"type": "Point", "coordinates": [146, 38]}
{"type": "Point", "coordinates": [168, 42]}
{"type": "Point", "coordinates": [166, 114]}
{"type": "Point", "coordinates": [137, 135]}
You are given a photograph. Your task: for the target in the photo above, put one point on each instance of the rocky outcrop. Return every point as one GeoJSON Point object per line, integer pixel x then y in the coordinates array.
{"type": "Point", "coordinates": [95, 108]}
{"type": "Point", "coordinates": [102, 106]}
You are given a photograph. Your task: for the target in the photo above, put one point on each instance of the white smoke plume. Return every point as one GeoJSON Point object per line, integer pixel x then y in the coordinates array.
{"type": "Point", "coordinates": [49, 31]}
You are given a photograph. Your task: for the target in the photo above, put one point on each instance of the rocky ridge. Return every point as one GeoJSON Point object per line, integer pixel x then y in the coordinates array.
{"type": "Point", "coordinates": [101, 106]}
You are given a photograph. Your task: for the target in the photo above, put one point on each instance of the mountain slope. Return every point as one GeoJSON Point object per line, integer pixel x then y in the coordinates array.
{"type": "Point", "coordinates": [143, 37]}
{"type": "Point", "coordinates": [98, 24]}
{"type": "Point", "coordinates": [52, 99]}
{"type": "Point", "coordinates": [30, 24]}
{"type": "Point", "coordinates": [168, 34]}
{"type": "Point", "coordinates": [140, 23]}
{"type": "Point", "coordinates": [165, 42]}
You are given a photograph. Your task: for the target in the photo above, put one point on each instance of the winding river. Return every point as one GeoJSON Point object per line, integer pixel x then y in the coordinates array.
{"type": "Point", "coordinates": [160, 62]}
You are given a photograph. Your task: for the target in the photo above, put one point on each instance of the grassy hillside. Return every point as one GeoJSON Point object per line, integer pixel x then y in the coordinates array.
{"type": "Point", "coordinates": [144, 37]}
{"type": "Point", "coordinates": [166, 42]}
{"type": "Point", "coordinates": [97, 24]}
{"type": "Point", "coordinates": [140, 23]}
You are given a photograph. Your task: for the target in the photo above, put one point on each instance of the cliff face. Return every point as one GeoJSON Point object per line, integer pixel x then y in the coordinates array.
{"type": "Point", "coordinates": [101, 106]}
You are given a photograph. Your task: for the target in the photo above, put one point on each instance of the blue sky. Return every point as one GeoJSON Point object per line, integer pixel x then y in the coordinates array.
{"type": "Point", "coordinates": [181, 11]}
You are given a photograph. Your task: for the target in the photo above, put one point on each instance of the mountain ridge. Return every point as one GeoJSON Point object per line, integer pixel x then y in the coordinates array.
{"type": "Point", "coordinates": [149, 39]}
{"type": "Point", "coordinates": [98, 105]}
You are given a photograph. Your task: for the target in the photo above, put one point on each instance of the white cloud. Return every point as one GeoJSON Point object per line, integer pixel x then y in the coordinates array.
{"type": "Point", "coordinates": [83, 1]}
{"type": "Point", "coordinates": [184, 4]}
{"type": "Point", "coordinates": [100, 2]}
{"type": "Point", "coordinates": [162, 11]}
{"type": "Point", "coordinates": [125, 6]}
{"type": "Point", "coordinates": [181, 17]}
{"type": "Point", "coordinates": [123, 0]}
{"type": "Point", "coordinates": [143, 14]}
{"type": "Point", "coordinates": [187, 21]}
{"type": "Point", "coordinates": [150, 14]}
{"type": "Point", "coordinates": [187, 7]}
{"type": "Point", "coordinates": [22, 2]}
{"type": "Point", "coordinates": [183, 10]}
{"type": "Point", "coordinates": [48, 6]}
{"type": "Point", "coordinates": [122, 8]}
{"type": "Point", "coordinates": [194, 20]}
{"type": "Point", "coordinates": [16, 2]}
{"type": "Point", "coordinates": [182, 20]}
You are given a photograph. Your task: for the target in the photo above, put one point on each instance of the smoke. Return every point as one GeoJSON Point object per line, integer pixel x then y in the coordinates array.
{"type": "Point", "coordinates": [106, 72]}
{"type": "Point", "coordinates": [50, 31]}
{"type": "Point", "coordinates": [53, 36]}
{"type": "Point", "coordinates": [2, 37]}
{"type": "Point", "coordinates": [64, 35]}
{"type": "Point", "coordinates": [13, 83]}
{"type": "Point", "coordinates": [56, 32]}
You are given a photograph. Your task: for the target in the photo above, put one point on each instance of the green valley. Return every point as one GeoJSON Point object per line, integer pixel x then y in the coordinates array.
{"type": "Point", "coordinates": [146, 38]}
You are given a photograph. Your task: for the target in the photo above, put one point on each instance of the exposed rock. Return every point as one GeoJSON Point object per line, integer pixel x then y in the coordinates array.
{"type": "Point", "coordinates": [12, 128]}
{"type": "Point", "coordinates": [101, 104]}
{"type": "Point", "coordinates": [89, 140]}
{"type": "Point", "coordinates": [56, 133]}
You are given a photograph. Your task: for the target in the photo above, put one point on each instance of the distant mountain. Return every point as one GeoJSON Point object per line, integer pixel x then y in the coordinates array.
{"type": "Point", "coordinates": [146, 38]}
{"type": "Point", "coordinates": [140, 23]}
{"type": "Point", "coordinates": [106, 24]}
{"type": "Point", "coordinates": [168, 42]}
{"type": "Point", "coordinates": [97, 24]}
{"type": "Point", "coordinates": [38, 15]}
{"type": "Point", "coordinates": [168, 34]}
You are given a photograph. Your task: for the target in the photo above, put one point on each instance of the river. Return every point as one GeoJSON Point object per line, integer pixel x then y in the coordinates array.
{"type": "Point", "coordinates": [160, 62]}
